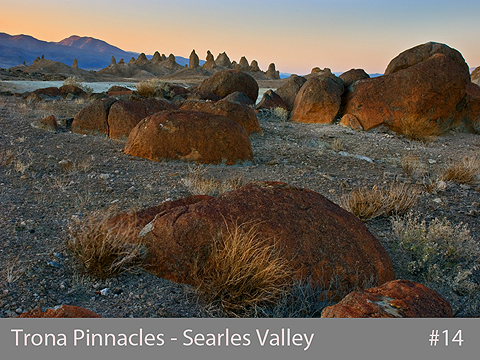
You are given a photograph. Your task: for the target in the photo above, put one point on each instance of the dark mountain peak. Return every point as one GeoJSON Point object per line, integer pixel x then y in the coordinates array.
{"type": "Point", "coordinates": [89, 43]}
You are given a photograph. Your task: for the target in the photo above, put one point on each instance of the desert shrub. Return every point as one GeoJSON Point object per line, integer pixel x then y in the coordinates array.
{"type": "Point", "coordinates": [198, 183]}
{"type": "Point", "coordinates": [371, 202]}
{"type": "Point", "coordinates": [243, 272]}
{"type": "Point", "coordinates": [441, 256]}
{"type": "Point", "coordinates": [463, 172]}
{"type": "Point", "coordinates": [276, 114]}
{"type": "Point", "coordinates": [78, 82]}
{"type": "Point", "coordinates": [149, 88]}
{"type": "Point", "coordinates": [104, 249]}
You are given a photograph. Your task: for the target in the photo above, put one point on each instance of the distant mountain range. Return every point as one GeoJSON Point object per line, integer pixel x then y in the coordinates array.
{"type": "Point", "coordinates": [91, 54]}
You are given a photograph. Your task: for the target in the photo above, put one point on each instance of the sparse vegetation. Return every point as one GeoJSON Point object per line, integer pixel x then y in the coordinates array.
{"type": "Point", "coordinates": [441, 256]}
{"type": "Point", "coordinates": [337, 145]}
{"type": "Point", "coordinates": [412, 165]}
{"type": "Point", "coordinates": [198, 184]}
{"type": "Point", "coordinates": [6, 157]}
{"type": "Point", "coordinates": [78, 82]}
{"type": "Point", "coordinates": [276, 114]}
{"type": "Point", "coordinates": [103, 248]}
{"type": "Point", "coordinates": [371, 202]}
{"type": "Point", "coordinates": [12, 270]}
{"type": "Point", "coordinates": [151, 87]}
{"type": "Point", "coordinates": [463, 172]}
{"type": "Point", "coordinates": [243, 272]}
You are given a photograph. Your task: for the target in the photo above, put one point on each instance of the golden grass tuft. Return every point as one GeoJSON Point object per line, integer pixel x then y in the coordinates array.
{"type": "Point", "coordinates": [337, 145]}
{"type": "Point", "coordinates": [198, 183]}
{"type": "Point", "coordinates": [371, 202]}
{"type": "Point", "coordinates": [464, 172]}
{"type": "Point", "coordinates": [148, 88]}
{"type": "Point", "coordinates": [243, 272]}
{"type": "Point", "coordinates": [104, 249]}
{"type": "Point", "coordinates": [412, 165]}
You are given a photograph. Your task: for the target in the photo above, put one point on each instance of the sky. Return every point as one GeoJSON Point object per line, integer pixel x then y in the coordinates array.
{"type": "Point", "coordinates": [295, 35]}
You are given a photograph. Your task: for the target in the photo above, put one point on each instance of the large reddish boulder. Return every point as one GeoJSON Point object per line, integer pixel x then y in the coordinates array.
{"type": "Point", "coordinates": [92, 119]}
{"type": "Point", "coordinates": [290, 89]}
{"type": "Point", "coordinates": [470, 109]}
{"type": "Point", "coordinates": [271, 100]}
{"type": "Point", "coordinates": [239, 97]}
{"type": "Point", "coordinates": [423, 52]}
{"type": "Point", "coordinates": [226, 82]}
{"type": "Point", "coordinates": [242, 114]}
{"type": "Point", "coordinates": [72, 89]}
{"type": "Point", "coordinates": [64, 311]}
{"type": "Point", "coordinates": [124, 115]}
{"type": "Point", "coordinates": [189, 136]}
{"type": "Point", "coordinates": [422, 98]}
{"type": "Point", "coordinates": [138, 219]}
{"type": "Point", "coordinates": [48, 123]}
{"type": "Point", "coordinates": [318, 101]}
{"type": "Point", "coordinates": [348, 120]}
{"type": "Point", "coordinates": [394, 299]}
{"type": "Point", "coordinates": [352, 75]}
{"type": "Point", "coordinates": [49, 92]}
{"type": "Point", "coordinates": [321, 241]}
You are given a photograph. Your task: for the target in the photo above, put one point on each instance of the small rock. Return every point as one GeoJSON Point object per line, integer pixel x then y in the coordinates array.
{"type": "Point", "coordinates": [465, 186]}
{"type": "Point", "coordinates": [58, 255]}
{"type": "Point", "coordinates": [441, 185]}
{"type": "Point", "coordinates": [104, 176]}
{"type": "Point", "coordinates": [431, 161]}
{"type": "Point", "coordinates": [19, 311]}
{"type": "Point", "coordinates": [55, 264]}
{"type": "Point", "coordinates": [104, 292]}
{"type": "Point", "coordinates": [437, 200]}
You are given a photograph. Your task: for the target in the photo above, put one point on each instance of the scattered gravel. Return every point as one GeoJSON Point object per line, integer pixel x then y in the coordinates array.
{"type": "Point", "coordinates": [55, 179]}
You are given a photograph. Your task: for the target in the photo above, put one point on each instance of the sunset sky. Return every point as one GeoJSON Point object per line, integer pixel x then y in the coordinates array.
{"type": "Point", "coordinates": [295, 35]}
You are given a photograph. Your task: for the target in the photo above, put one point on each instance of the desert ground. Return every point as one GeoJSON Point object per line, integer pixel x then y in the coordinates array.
{"type": "Point", "coordinates": [51, 181]}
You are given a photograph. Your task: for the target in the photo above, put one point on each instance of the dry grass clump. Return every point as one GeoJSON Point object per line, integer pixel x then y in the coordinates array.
{"type": "Point", "coordinates": [371, 202]}
{"type": "Point", "coordinates": [243, 272]}
{"type": "Point", "coordinates": [12, 271]}
{"type": "Point", "coordinates": [104, 249]}
{"type": "Point", "coordinates": [149, 88]}
{"type": "Point", "coordinates": [464, 172]}
{"type": "Point", "coordinates": [412, 165]}
{"type": "Point", "coordinates": [337, 145]}
{"type": "Point", "coordinates": [198, 184]}
{"type": "Point", "coordinates": [6, 157]}
{"type": "Point", "coordinates": [441, 256]}
{"type": "Point", "coordinates": [78, 165]}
